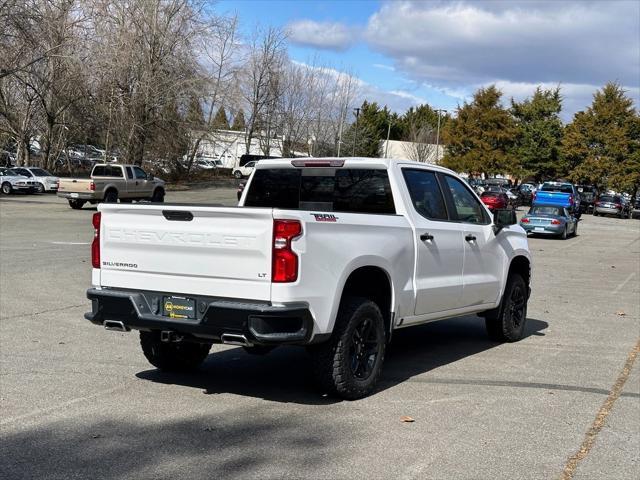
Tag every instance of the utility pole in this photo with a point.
(355, 138)
(438, 134)
(386, 146)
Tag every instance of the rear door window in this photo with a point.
(322, 189)
(425, 193)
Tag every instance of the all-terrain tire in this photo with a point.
(507, 322)
(173, 356)
(350, 362)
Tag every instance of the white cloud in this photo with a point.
(457, 46)
(324, 35)
(384, 67)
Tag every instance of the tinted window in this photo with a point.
(139, 173)
(129, 173)
(325, 190)
(425, 194)
(467, 207)
(608, 198)
(38, 172)
(107, 171)
(22, 171)
(563, 188)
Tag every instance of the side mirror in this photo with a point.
(503, 218)
(150, 176)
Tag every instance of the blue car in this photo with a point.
(550, 220)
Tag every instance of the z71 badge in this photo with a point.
(325, 217)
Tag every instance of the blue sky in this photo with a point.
(440, 52)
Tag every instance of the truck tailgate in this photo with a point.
(552, 198)
(75, 185)
(214, 251)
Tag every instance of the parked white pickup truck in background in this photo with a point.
(111, 182)
(333, 254)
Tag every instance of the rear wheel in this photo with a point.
(111, 197)
(350, 362)
(563, 235)
(595, 214)
(506, 323)
(237, 174)
(172, 356)
(40, 188)
(6, 188)
(76, 204)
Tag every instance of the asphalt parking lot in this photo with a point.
(81, 402)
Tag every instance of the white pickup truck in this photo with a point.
(333, 254)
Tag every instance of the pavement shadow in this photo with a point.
(284, 375)
(236, 442)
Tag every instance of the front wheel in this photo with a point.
(172, 356)
(158, 196)
(506, 323)
(6, 188)
(350, 362)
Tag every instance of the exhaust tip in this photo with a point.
(235, 339)
(116, 326)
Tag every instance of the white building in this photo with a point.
(229, 145)
(423, 152)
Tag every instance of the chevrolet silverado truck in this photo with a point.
(109, 183)
(331, 254)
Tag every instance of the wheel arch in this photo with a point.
(374, 283)
(110, 188)
(522, 266)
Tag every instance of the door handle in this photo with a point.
(426, 237)
(470, 238)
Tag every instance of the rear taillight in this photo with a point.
(95, 245)
(618, 205)
(570, 199)
(524, 220)
(285, 261)
(555, 222)
(92, 186)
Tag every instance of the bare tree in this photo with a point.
(258, 79)
(418, 146)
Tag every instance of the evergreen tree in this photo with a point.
(238, 122)
(480, 139)
(371, 128)
(539, 135)
(602, 144)
(220, 121)
(195, 116)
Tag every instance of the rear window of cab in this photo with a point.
(348, 190)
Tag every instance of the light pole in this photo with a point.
(438, 134)
(355, 138)
(386, 146)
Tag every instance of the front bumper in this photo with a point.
(260, 322)
(608, 211)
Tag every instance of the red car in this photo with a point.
(495, 200)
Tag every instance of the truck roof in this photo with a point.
(360, 162)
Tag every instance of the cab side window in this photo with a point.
(466, 207)
(425, 193)
(129, 173)
(140, 175)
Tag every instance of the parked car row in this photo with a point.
(27, 180)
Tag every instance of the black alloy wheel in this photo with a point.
(364, 349)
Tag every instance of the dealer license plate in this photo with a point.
(179, 307)
(538, 229)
